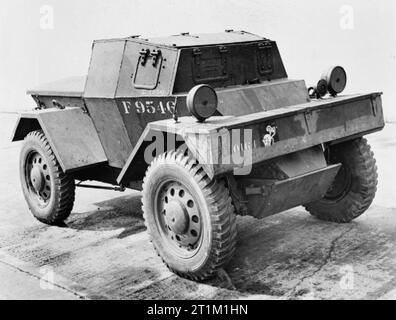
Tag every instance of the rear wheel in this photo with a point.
(48, 191)
(354, 187)
(190, 218)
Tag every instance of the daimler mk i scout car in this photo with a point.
(207, 126)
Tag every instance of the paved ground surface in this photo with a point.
(103, 251)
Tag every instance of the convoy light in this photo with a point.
(202, 102)
(336, 80)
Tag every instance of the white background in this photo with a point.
(310, 34)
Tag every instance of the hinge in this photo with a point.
(57, 104)
(84, 107)
(144, 53)
(156, 55)
(223, 52)
(374, 105)
(223, 49)
(264, 45)
(40, 104)
(197, 52)
(308, 119)
(265, 58)
(197, 60)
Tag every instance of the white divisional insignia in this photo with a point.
(269, 139)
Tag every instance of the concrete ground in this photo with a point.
(103, 252)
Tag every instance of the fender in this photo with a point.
(200, 139)
(70, 132)
(136, 165)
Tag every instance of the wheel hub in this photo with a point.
(37, 178)
(177, 217)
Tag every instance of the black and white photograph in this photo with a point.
(212, 152)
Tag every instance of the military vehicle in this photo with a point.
(207, 126)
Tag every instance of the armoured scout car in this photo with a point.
(208, 126)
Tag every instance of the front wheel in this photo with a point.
(353, 190)
(48, 191)
(190, 218)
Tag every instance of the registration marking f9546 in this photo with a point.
(149, 106)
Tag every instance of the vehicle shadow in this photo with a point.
(278, 256)
(293, 254)
(119, 213)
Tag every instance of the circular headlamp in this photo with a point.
(336, 80)
(202, 102)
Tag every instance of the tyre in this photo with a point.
(354, 187)
(47, 190)
(190, 218)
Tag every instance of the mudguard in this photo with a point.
(156, 135)
(70, 132)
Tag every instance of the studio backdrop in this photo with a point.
(45, 40)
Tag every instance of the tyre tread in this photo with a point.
(64, 184)
(355, 204)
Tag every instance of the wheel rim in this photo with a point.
(38, 178)
(178, 218)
